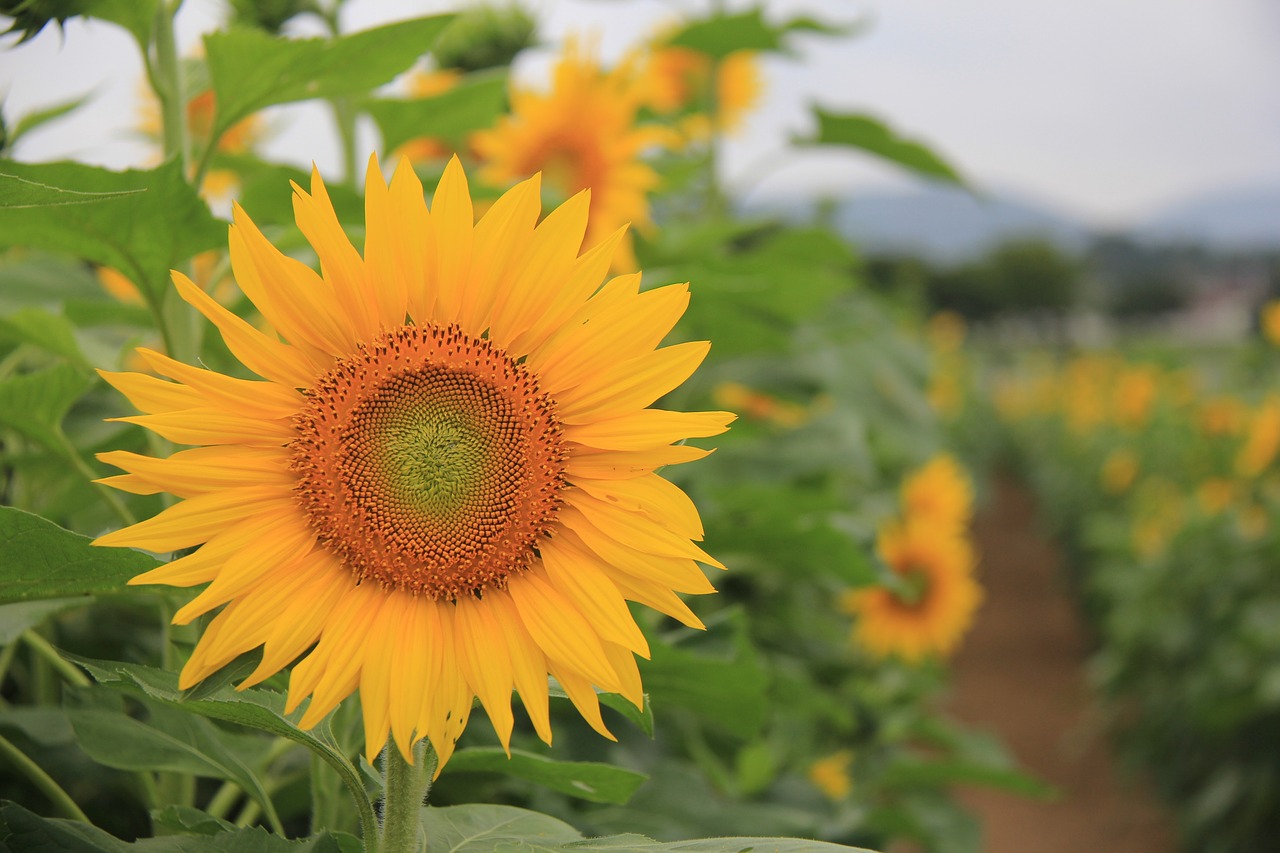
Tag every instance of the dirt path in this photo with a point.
(1020, 674)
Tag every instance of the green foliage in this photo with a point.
(867, 134)
(39, 560)
(485, 36)
(154, 222)
(475, 103)
(722, 34)
(251, 70)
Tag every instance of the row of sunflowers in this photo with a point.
(1156, 469)
(435, 456)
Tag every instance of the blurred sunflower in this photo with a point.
(443, 486)
(931, 604)
(939, 495)
(1269, 320)
(714, 96)
(831, 774)
(582, 134)
(1262, 440)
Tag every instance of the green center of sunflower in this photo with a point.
(429, 461)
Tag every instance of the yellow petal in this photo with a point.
(577, 573)
(341, 265)
(634, 530)
(528, 664)
(395, 229)
(266, 357)
(451, 212)
(634, 384)
(485, 662)
(648, 428)
(559, 629)
(583, 697)
(207, 469)
(502, 238)
(268, 400)
(151, 393)
(651, 495)
(214, 426)
(615, 464)
(199, 519)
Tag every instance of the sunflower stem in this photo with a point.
(42, 781)
(168, 78)
(406, 788)
(61, 665)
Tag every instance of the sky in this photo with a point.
(1106, 110)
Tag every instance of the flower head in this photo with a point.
(582, 134)
(831, 774)
(931, 604)
(939, 494)
(443, 485)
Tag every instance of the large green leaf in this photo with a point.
(720, 35)
(39, 559)
(16, 192)
(251, 70)
(473, 104)
(141, 234)
(34, 404)
(20, 830)
(51, 332)
(483, 828)
(874, 137)
(257, 708)
(171, 740)
(588, 780)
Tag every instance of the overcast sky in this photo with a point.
(1105, 109)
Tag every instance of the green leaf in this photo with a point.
(255, 708)
(251, 70)
(473, 104)
(720, 35)
(171, 740)
(141, 234)
(35, 403)
(51, 332)
(483, 828)
(32, 120)
(19, 193)
(867, 134)
(476, 828)
(185, 820)
(20, 830)
(587, 780)
(39, 559)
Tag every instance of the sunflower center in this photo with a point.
(911, 586)
(430, 461)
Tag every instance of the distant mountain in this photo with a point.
(1237, 219)
(948, 225)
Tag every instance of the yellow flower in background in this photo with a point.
(932, 603)
(1133, 395)
(938, 495)
(428, 84)
(831, 774)
(1118, 471)
(675, 79)
(582, 134)
(1262, 440)
(757, 405)
(1215, 494)
(120, 286)
(945, 331)
(1269, 318)
(1222, 415)
(443, 487)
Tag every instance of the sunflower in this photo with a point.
(831, 774)
(931, 603)
(677, 79)
(581, 135)
(1262, 441)
(443, 486)
(939, 494)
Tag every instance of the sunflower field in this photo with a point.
(304, 475)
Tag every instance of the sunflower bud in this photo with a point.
(269, 15)
(485, 37)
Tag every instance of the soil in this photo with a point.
(1021, 675)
